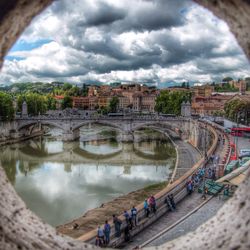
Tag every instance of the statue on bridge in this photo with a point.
(24, 109)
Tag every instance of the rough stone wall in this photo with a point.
(5, 128)
(21, 229)
(237, 15)
(15, 15)
(229, 229)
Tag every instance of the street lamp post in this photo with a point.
(205, 142)
(236, 135)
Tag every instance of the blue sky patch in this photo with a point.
(12, 58)
(22, 45)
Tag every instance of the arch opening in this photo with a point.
(241, 31)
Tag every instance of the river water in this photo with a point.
(59, 181)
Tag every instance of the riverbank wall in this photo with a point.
(9, 135)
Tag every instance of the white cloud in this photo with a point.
(113, 40)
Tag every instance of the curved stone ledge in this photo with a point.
(20, 229)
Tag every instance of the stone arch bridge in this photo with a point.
(188, 129)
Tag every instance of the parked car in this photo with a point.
(244, 153)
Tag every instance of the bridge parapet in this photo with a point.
(187, 128)
(71, 124)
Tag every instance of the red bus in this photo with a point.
(242, 132)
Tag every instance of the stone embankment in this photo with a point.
(8, 135)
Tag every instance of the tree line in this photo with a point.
(238, 111)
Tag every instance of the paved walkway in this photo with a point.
(188, 156)
(183, 208)
(191, 223)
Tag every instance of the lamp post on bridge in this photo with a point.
(205, 142)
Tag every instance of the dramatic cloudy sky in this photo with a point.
(155, 41)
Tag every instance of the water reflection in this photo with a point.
(60, 181)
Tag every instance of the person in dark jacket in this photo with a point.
(117, 222)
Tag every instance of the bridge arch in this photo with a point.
(99, 122)
(152, 125)
(30, 123)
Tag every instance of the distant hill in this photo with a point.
(38, 87)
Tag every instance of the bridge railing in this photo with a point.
(177, 188)
(93, 118)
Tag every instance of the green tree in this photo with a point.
(51, 102)
(74, 91)
(170, 102)
(235, 107)
(6, 107)
(67, 102)
(227, 79)
(103, 110)
(36, 103)
(113, 104)
(67, 86)
(84, 90)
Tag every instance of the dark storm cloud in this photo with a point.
(105, 14)
(154, 16)
(163, 49)
(97, 37)
(105, 47)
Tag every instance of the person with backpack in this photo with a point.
(107, 230)
(100, 237)
(126, 216)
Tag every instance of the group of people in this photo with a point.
(200, 174)
(149, 205)
(131, 221)
(195, 180)
(103, 234)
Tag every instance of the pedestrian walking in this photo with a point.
(107, 230)
(117, 222)
(146, 208)
(172, 201)
(167, 202)
(126, 216)
(205, 191)
(152, 204)
(127, 235)
(134, 215)
(100, 241)
(189, 187)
